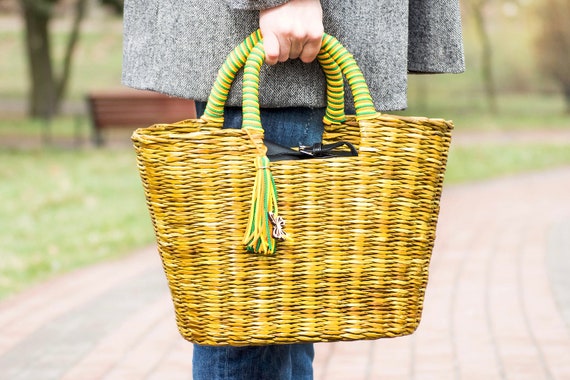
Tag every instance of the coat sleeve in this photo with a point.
(435, 39)
(254, 4)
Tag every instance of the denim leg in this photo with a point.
(290, 127)
(272, 362)
(302, 356)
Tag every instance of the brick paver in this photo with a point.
(494, 308)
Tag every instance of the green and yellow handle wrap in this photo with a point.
(361, 94)
(214, 111)
(335, 89)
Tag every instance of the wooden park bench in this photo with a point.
(127, 108)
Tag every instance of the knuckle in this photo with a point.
(315, 36)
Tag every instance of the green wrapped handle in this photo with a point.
(332, 50)
(236, 60)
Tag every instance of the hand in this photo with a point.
(292, 30)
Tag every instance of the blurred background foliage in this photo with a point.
(68, 204)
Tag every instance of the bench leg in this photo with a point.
(98, 137)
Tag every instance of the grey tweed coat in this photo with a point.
(177, 46)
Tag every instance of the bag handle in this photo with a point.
(214, 111)
(331, 50)
(363, 103)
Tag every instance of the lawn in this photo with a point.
(63, 209)
(484, 162)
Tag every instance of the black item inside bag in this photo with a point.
(276, 152)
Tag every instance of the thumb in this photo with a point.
(271, 47)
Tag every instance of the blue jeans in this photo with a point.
(289, 127)
(286, 126)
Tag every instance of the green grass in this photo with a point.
(65, 126)
(442, 96)
(482, 162)
(63, 209)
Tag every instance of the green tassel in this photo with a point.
(259, 235)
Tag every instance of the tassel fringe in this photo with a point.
(259, 235)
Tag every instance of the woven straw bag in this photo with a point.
(359, 230)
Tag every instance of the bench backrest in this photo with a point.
(137, 109)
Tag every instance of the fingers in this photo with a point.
(280, 48)
(311, 48)
(272, 48)
(292, 30)
(296, 48)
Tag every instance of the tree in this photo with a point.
(478, 9)
(553, 44)
(115, 5)
(48, 84)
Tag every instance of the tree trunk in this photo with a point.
(43, 91)
(566, 91)
(70, 49)
(487, 57)
(47, 88)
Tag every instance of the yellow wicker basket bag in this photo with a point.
(314, 250)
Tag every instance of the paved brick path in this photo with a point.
(495, 306)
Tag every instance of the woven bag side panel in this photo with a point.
(361, 233)
(348, 131)
(412, 154)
